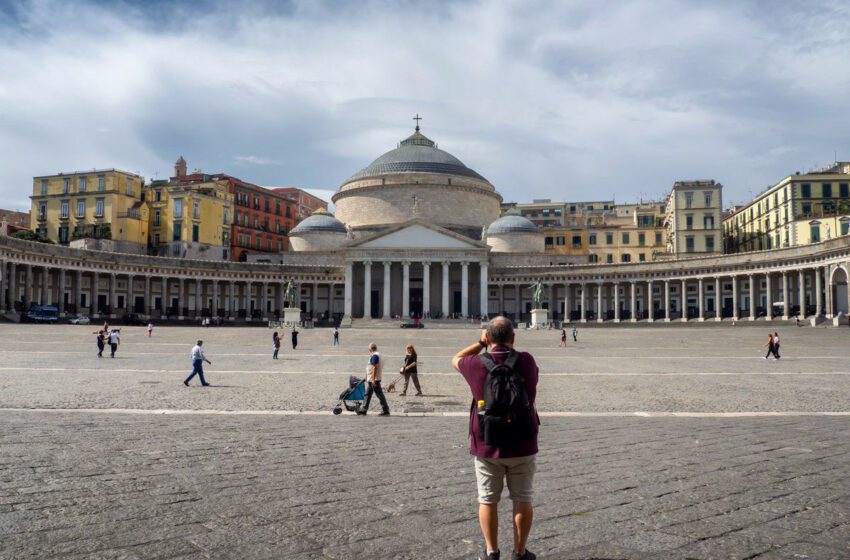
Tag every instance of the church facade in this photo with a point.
(417, 233)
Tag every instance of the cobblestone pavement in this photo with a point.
(203, 482)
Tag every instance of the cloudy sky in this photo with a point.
(562, 100)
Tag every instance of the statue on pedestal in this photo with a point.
(537, 297)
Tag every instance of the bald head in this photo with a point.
(500, 331)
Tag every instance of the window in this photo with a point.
(642, 257)
(645, 221)
(129, 186)
(609, 259)
(178, 209)
(277, 208)
(560, 240)
(576, 241)
(66, 185)
(42, 211)
(44, 186)
(256, 222)
(826, 190)
(708, 222)
(157, 196)
(226, 218)
(689, 244)
(549, 241)
(626, 258)
(707, 199)
(689, 222)
(266, 204)
(288, 214)
(845, 227)
(815, 232)
(156, 239)
(658, 238)
(82, 185)
(609, 238)
(196, 232)
(593, 258)
(807, 208)
(63, 210)
(806, 190)
(573, 210)
(81, 208)
(277, 227)
(101, 183)
(157, 217)
(196, 209)
(689, 199)
(98, 208)
(591, 239)
(269, 243)
(178, 231)
(641, 239)
(63, 234)
(843, 190)
(709, 243)
(625, 239)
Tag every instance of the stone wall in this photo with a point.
(317, 241)
(516, 242)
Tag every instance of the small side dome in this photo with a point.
(320, 221)
(512, 223)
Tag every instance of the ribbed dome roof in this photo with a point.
(320, 221)
(512, 224)
(415, 154)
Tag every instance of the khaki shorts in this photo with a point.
(490, 474)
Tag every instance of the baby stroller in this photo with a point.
(352, 397)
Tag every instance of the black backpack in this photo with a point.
(508, 419)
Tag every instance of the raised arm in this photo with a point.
(471, 350)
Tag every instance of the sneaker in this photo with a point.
(205, 384)
(361, 413)
(402, 394)
(186, 383)
(527, 555)
(384, 413)
(491, 556)
(419, 394)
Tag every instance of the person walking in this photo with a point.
(502, 454)
(294, 338)
(373, 385)
(336, 336)
(150, 329)
(563, 338)
(575, 334)
(198, 359)
(114, 341)
(769, 345)
(776, 345)
(408, 370)
(276, 344)
(101, 342)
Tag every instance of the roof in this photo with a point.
(320, 221)
(512, 224)
(416, 154)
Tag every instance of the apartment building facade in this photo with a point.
(693, 218)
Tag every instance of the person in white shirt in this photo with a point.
(114, 341)
(198, 360)
(150, 329)
(373, 377)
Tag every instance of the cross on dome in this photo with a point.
(417, 118)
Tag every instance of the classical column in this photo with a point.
(667, 301)
(566, 303)
(684, 300)
(426, 289)
(3, 286)
(387, 270)
(769, 315)
(827, 286)
(617, 301)
(13, 286)
(405, 291)
(633, 301)
(28, 288)
(367, 290)
(232, 303)
(95, 286)
(60, 292)
(718, 300)
(215, 302)
(314, 298)
(180, 293)
(148, 299)
(583, 288)
(650, 312)
(599, 318)
(197, 298)
(752, 297)
(130, 305)
(113, 294)
(785, 299)
(484, 310)
(445, 292)
(45, 295)
(801, 280)
(818, 292)
(701, 300)
(264, 300)
(464, 289)
(734, 298)
(518, 298)
(349, 273)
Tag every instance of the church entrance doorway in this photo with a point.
(376, 301)
(416, 302)
(457, 303)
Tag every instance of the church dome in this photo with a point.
(416, 154)
(319, 221)
(512, 224)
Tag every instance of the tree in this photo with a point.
(27, 235)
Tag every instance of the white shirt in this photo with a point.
(114, 338)
(150, 326)
(378, 367)
(197, 353)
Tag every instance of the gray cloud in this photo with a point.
(561, 100)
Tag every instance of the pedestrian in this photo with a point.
(276, 344)
(150, 329)
(336, 336)
(563, 338)
(294, 338)
(769, 345)
(373, 385)
(101, 342)
(409, 370)
(575, 334)
(114, 341)
(198, 359)
(503, 383)
(776, 345)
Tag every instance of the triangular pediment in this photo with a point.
(417, 235)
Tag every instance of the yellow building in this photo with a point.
(693, 218)
(103, 207)
(190, 219)
(628, 233)
(798, 210)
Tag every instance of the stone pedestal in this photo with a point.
(292, 315)
(539, 318)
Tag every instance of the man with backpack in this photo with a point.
(503, 428)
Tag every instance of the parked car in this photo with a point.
(42, 314)
(412, 326)
(132, 319)
(80, 320)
